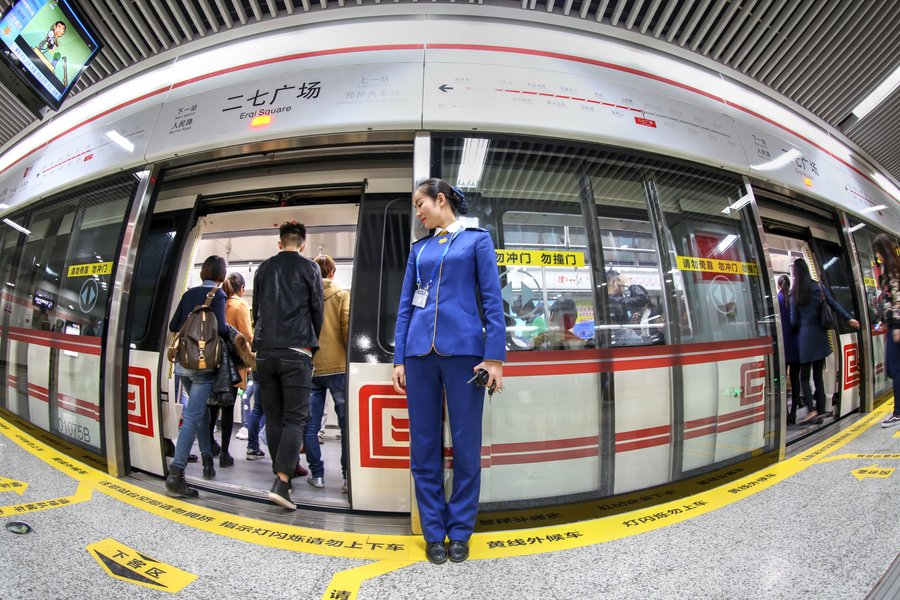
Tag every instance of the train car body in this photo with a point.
(581, 155)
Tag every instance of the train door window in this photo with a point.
(873, 272)
(635, 312)
(720, 295)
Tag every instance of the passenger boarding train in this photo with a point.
(607, 175)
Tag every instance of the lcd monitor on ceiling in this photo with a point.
(47, 43)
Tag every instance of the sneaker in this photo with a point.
(321, 437)
(344, 486)
(300, 470)
(280, 494)
(316, 482)
(891, 421)
(255, 454)
(242, 434)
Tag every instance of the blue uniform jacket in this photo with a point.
(812, 340)
(450, 323)
(791, 346)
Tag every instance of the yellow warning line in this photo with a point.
(345, 584)
(860, 456)
(402, 549)
(82, 494)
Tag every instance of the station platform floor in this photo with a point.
(821, 524)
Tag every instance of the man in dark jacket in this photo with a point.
(287, 310)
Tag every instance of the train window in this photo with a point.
(716, 273)
(7, 300)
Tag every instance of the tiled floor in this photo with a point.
(821, 533)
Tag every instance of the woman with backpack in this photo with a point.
(807, 298)
(197, 383)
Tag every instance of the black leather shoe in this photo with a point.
(459, 551)
(225, 460)
(436, 552)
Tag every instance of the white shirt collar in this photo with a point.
(451, 228)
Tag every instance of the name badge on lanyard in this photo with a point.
(420, 297)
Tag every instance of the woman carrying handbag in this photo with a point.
(807, 300)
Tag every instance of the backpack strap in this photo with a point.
(210, 296)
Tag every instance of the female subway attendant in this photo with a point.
(440, 341)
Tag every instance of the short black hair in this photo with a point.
(292, 233)
(214, 269)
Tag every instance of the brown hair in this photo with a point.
(214, 268)
(326, 264)
(886, 246)
(233, 284)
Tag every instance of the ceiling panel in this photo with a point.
(825, 55)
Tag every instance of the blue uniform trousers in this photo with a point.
(426, 379)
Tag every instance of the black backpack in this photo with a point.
(196, 345)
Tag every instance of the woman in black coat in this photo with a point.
(807, 297)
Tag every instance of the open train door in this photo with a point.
(151, 291)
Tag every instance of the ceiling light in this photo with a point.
(472, 163)
(878, 94)
(17, 227)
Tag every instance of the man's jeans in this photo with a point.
(337, 385)
(283, 376)
(195, 416)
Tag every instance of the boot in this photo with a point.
(225, 460)
(209, 470)
(176, 485)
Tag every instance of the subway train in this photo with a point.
(651, 201)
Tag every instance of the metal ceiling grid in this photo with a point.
(825, 55)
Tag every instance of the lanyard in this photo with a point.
(439, 263)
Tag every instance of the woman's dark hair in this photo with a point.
(214, 268)
(886, 246)
(802, 283)
(782, 279)
(326, 264)
(233, 283)
(434, 186)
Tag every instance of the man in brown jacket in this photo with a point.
(330, 373)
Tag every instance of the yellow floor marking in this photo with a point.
(872, 471)
(11, 485)
(896, 434)
(345, 584)
(127, 564)
(404, 548)
(858, 456)
(82, 494)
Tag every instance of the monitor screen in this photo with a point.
(47, 43)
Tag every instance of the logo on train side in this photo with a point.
(140, 410)
(851, 366)
(753, 382)
(384, 428)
